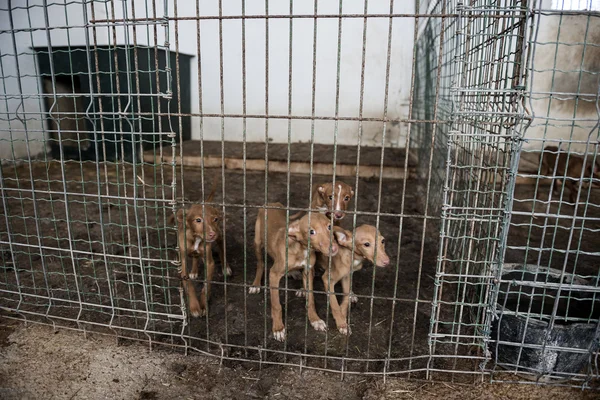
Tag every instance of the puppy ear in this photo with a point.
(180, 215)
(294, 231)
(342, 236)
(321, 189)
(352, 193)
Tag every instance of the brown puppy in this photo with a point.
(298, 255)
(197, 233)
(366, 239)
(329, 200)
(554, 165)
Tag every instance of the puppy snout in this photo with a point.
(334, 249)
(339, 214)
(385, 261)
(211, 235)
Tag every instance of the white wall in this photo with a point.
(278, 68)
(302, 63)
(554, 119)
(566, 61)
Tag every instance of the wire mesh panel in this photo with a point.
(84, 235)
(549, 287)
(324, 184)
(479, 64)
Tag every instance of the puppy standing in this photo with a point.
(196, 236)
(298, 254)
(329, 200)
(554, 164)
(366, 239)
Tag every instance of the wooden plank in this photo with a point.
(370, 158)
(300, 152)
(365, 171)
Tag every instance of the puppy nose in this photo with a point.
(339, 214)
(334, 248)
(211, 235)
(386, 261)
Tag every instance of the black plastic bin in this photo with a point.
(556, 360)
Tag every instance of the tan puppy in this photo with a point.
(329, 200)
(366, 239)
(554, 165)
(196, 236)
(298, 254)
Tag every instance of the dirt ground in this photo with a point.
(138, 233)
(547, 233)
(37, 362)
(113, 271)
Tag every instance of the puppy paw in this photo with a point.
(193, 275)
(353, 298)
(279, 335)
(319, 325)
(300, 293)
(254, 289)
(345, 330)
(227, 271)
(197, 311)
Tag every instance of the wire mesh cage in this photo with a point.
(400, 149)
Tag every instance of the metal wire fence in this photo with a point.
(99, 102)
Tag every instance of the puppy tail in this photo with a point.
(296, 216)
(212, 192)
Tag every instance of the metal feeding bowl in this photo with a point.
(522, 338)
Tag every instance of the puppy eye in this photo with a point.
(312, 232)
(199, 220)
(330, 197)
(216, 219)
(347, 198)
(328, 227)
(382, 241)
(367, 244)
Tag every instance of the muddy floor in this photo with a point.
(108, 266)
(37, 362)
(556, 233)
(112, 237)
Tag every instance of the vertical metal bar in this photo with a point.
(75, 116)
(417, 5)
(144, 207)
(102, 139)
(358, 146)
(62, 166)
(92, 120)
(45, 156)
(224, 238)
(129, 109)
(289, 154)
(172, 135)
(312, 135)
(201, 110)
(266, 280)
(427, 190)
(244, 186)
(333, 180)
(383, 136)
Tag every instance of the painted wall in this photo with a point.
(74, 15)
(565, 79)
(563, 65)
